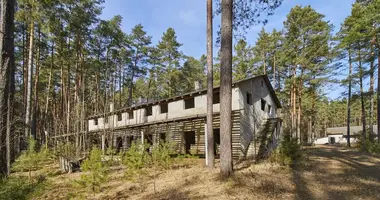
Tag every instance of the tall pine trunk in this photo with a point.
(36, 80)
(349, 99)
(6, 82)
(226, 167)
(293, 102)
(299, 114)
(371, 94)
(378, 97)
(210, 133)
(28, 113)
(362, 102)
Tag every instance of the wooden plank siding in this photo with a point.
(174, 132)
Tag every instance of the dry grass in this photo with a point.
(331, 173)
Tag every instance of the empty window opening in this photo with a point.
(106, 119)
(148, 111)
(149, 141)
(119, 144)
(216, 141)
(189, 103)
(263, 103)
(216, 98)
(249, 98)
(129, 141)
(162, 138)
(130, 114)
(269, 109)
(119, 117)
(95, 122)
(189, 140)
(164, 108)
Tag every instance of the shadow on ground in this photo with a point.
(335, 173)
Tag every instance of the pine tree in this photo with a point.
(169, 72)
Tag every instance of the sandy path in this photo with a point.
(335, 173)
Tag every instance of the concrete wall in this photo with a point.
(252, 116)
(339, 139)
(176, 109)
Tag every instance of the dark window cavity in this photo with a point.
(189, 103)
(106, 119)
(148, 111)
(249, 98)
(164, 108)
(119, 117)
(162, 137)
(130, 114)
(216, 98)
(269, 107)
(263, 103)
(95, 122)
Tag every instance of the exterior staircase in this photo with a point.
(267, 138)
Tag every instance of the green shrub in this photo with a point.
(95, 172)
(135, 159)
(288, 153)
(160, 156)
(29, 160)
(373, 147)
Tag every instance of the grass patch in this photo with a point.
(19, 187)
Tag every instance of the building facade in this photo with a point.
(182, 120)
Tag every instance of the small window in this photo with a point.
(106, 119)
(249, 98)
(189, 103)
(95, 122)
(216, 98)
(130, 114)
(269, 107)
(164, 108)
(148, 111)
(263, 102)
(119, 117)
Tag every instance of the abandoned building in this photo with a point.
(182, 120)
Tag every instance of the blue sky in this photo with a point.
(188, 18)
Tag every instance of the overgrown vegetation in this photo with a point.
(135, 159)
(371, 146)
(31, 159)
(95, 173)
(288, 153)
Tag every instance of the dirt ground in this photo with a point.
(330, 172)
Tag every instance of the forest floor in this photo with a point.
(329, 172)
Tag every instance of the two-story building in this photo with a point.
(182, 120)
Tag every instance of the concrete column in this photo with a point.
(142, 136)
(103, 143)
